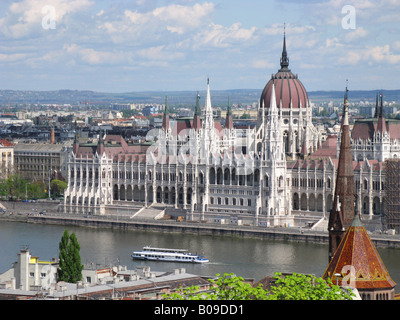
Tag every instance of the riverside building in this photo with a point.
(280, 172)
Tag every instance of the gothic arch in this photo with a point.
(166, 195)
(159, 194)
(220, 176)
(365, 205)
(129, 193)
(329, 202)
(150, 195)
(116, 192)
(376, 206)
(227, 176)
(122, 192)
(296, 201)
(136, 193)
(212, 175)
(303, 202)
(320, 205)
(311, 202)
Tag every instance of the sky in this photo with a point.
(155, 45)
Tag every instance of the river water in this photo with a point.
(249, 258)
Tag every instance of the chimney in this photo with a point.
(52, 136)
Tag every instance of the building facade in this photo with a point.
(39, 161)
(6, 158)
(273, 173)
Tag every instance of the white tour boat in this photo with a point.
(163, 254)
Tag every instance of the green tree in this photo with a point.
(225, 287)
(70, 267)
(306, 287)
(37, 190)
(290, 287)
(57, 187)
(14, 187)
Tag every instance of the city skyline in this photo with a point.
(127, 46)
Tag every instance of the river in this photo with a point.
(249, 258)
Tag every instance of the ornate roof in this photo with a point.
(288, 88)
(357, 250)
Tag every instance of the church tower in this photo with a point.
(357, 264)
(342, 213)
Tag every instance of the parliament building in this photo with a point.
(280, 172)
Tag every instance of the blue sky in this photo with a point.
(144, 45)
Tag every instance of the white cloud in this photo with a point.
(24, 18)
(12, 57)
(376, 54)
(334, 42)
(160, 53)
(357, 34)
(158, 23)
(223, 37)
(180, 18)
(263, 64)
(277, 29)
(95, 57)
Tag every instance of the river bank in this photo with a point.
(200, 229)
(46, 213)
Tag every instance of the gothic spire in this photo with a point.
(284, 58)
(208, 97)
(381, 118)
(376, 106)
(100, 145)
(342, 213)
(209, 118)
(197, 114)
(197, 110)
(165, 124)
(229, 121)
(166, 109)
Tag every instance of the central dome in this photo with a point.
(288, 88)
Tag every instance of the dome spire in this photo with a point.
(284, 58)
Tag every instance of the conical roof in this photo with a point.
(358, 251)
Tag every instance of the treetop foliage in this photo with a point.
(289, 287)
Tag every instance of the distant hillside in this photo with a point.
(175, 98)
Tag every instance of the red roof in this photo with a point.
(365, 129)
(6, 143)
(357, 250)
(327, 149)
(288, 89)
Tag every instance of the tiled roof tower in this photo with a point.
(359, 265)
(342, 213)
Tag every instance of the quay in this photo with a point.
(206, 229)
(30, 213)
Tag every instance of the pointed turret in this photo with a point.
(376, 106)
(208, 97)
(197, 114)
(229, 120)
(75, 148)
(284, 58)
(165, 124)
(272, 105)
(209, 117)
(381, 118)
(100, 145)
(342, 213)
